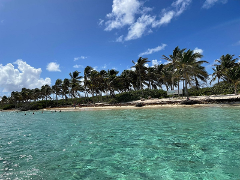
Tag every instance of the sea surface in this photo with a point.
(164, 143)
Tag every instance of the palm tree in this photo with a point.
(126, 79)
(233, 74)
(177, 53)
(140, 70)
(46, 91)
(36, 94)
(15, 96)
(87, 72)
(190, 67)
(217, 74)
(65, 88)
(57, 88)
(75, 82)
(226, 61)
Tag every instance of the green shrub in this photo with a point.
(136, 95)
(8, 106)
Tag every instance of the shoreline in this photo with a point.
(199, 101)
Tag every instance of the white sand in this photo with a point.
(153, 101)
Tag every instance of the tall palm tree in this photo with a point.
(173, 58)
(217, 74)
(57, 88)
(226, 61)
(36, 94)
(46, 91)
(190, 67)
(65, 88)
(233, 74)
(75, 82)
(87, 72)
(140, 70)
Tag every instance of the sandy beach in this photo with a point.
(157, 103)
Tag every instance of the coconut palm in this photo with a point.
(173, 58)
(233, 74)
(190, 67)
(217, 73)
(75, 82)
(65, 88)
(226, 61)
(36, 94)
(46, 91)
(87, 72)
(57, 88)
(140, 70)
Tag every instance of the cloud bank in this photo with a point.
(24, 75)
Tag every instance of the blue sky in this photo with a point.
(41, 41)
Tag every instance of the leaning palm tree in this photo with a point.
(190, 66)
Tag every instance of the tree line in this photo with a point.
(183, 66)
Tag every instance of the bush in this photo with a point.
(136, 95)
(8, 106)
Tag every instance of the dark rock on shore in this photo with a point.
(190, 102)
(139, 104)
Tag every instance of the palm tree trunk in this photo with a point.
(235, 88)
(186, 87)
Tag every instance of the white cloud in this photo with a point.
(52, 66)
(81, 57)
(153, 50)
(78, 66)
(101, 21)
(133, 14)
(123, 13)
(119, 39)
(209, 3)
(197, 50)
(181, 6)
(133, 68)
(137, 29)
(155, 62)
(25, 76)
(165, 19)
(146, 65)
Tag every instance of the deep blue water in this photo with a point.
(164, 143)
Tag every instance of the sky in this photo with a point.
(42, 41)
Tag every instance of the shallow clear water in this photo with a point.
(166, 143)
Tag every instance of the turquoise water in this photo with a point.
(166, 143)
